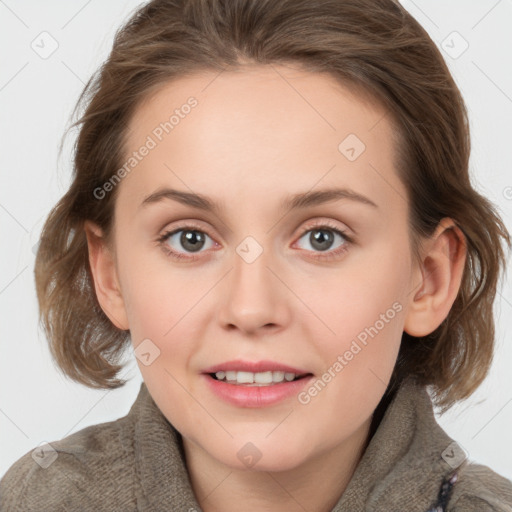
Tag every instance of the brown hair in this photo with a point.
(373, 45)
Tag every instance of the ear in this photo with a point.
(106, 282)
(441, 270)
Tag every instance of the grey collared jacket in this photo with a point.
(136, 463)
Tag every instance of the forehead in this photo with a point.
(264, 129)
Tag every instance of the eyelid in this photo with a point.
(326, 223)
(312, 224)
(183, 226)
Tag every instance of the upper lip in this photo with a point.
(254, 367)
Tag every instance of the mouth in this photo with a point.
(255, 373)
(255, 384)
(266, 378)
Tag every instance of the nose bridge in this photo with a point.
(252, 295)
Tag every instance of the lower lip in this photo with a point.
(256, 396)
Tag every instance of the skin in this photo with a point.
(255, 137)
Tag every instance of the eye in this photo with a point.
(322, 238)
(182, 243)
(186, 239)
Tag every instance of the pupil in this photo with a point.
(321, 239)
(192, 240)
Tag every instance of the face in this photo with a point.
(263, 282)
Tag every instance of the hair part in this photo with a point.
(374, 47)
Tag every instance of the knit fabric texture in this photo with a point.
(137, 463)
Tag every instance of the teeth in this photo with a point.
(230, 375)
(263, 378)
(245, 377)
(260, 378)
(277, 376)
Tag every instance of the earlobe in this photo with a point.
(104, 273)
(441, 269)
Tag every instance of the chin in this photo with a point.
(261, 456)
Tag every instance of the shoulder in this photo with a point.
(481, 489)
(86, 470)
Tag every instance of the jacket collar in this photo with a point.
(402, 464)
(159, 459)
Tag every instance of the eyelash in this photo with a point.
(328, 255)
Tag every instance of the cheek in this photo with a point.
(158, 296)
(364, 313)
(163, 307)
(361, 309)
(166, 306)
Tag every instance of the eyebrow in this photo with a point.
(293, 202)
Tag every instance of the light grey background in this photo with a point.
(37, 404)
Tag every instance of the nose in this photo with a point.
(253, 298)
